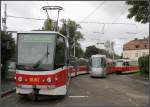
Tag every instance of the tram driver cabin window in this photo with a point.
(59, 52)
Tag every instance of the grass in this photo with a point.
(141, 75)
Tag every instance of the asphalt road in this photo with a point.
(115, 90)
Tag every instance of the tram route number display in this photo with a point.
(36, 38)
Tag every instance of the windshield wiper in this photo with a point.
(38, 63)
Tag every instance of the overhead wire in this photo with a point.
(92, 12)
(143, 29)
(104, 22)
(24, 17)
(124, 10)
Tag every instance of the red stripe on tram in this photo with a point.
(58, 79)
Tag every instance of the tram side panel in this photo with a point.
(83, 66)
(125, 66)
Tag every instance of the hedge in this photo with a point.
(144, 64)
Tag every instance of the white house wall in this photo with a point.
(132, 54)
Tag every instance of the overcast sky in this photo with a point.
(79, 11)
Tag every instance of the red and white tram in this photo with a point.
(78, 66)
(42, 63)
(125, 65)
(83, 66)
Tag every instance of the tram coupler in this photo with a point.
(35, 94)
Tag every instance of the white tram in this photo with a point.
(98, 66)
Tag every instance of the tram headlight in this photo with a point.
(48, 79)
(20, 79)
(56, 78)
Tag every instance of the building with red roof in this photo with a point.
(136, 48)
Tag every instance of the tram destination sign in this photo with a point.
(36, 38)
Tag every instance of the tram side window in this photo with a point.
(126, 64)
(114, 64)
(103, 62)
(60, 52)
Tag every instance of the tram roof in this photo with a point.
(123, 60)
(53, 32)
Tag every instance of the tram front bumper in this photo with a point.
(98, 74)
(43, 90)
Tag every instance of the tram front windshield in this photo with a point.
(98, 62)
(35, 51)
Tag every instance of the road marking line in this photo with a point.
(77, 96)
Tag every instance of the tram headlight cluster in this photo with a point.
(49, 79)
(20, 79)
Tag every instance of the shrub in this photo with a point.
(144, 64)
(7, 50)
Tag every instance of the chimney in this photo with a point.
(135, 39)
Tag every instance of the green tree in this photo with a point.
(139, 10)
(91, 50)
(48, 25)
(63, 29)
(8, 49)
(72, 28)
(79, 51)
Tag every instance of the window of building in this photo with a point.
(145, 46)
(143, 53)
(136, 46)
(136, 54)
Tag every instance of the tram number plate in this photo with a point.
(34, 79)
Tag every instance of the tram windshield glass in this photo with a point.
(35, 51)
(98, 62)
(119, 63)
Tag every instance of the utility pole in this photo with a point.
(4, 20)
(57, 20)
(112, 48)
(74, 47)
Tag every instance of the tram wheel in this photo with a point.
(119, 72)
